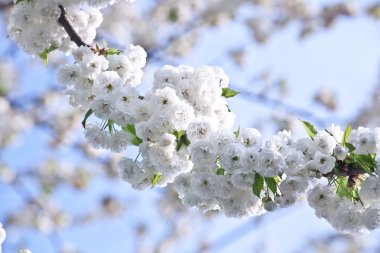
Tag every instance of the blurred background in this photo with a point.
(318, 60)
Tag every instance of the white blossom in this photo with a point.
(336, 132)
(250, 159)
(92, 65)
(294, 184)
(322, 162)
(370, 190)
(323, 200)
(365, 140)
(230, 158)
(340, 152)
(95, 136)
(325, 142)
(250, 137)
(295, 161)
(119, 141)
(242, 179)
(348, 217)
(371, 218)
(203, 154)
(271, 163)
(183, 129)
(200, 128)
(107, 85)
(68, 74)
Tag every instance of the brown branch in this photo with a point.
(74, 37)
(5, 6)
(346, 170)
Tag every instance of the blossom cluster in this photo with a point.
(276, 173)
(184, 106)
(33, 24)
(8, 111)
(352, 202)
(183, 130)
(182, 100)
(11, 132)
(182, 127)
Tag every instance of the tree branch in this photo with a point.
(154, 51)
(5, 6)
(74, 37)
(265, 100)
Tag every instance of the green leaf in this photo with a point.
(229, 93)
(136, 141)
(366, 162)
(110, 125)
(178, 146)
(310, 129)
(341, 187)
(155, 179)
(112, 51)
(355, 193)
(271, 183)
(220, 171)
(237, 132)
(173, 14)
(19, 1)
(45, 53)
(105, 45)
(3, 90)
(185, 140)
(181, 139)
(350, 147)
(257, 185)
(130, 128)
(346, 135)
(177, 134)
(343, 190)
(88, 114)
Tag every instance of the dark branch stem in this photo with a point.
(4, 6)
(74, 37)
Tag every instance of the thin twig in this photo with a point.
(237, 233)
(192, 25)
(136, 157)
(74, 37)
(265, 100)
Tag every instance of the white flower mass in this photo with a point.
(34, 27)
(183, 129)
(2, 236)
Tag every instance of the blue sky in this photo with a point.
(344, 58)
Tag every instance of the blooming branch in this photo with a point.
(62, 20)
